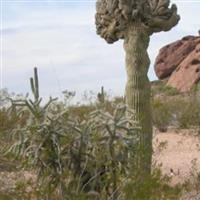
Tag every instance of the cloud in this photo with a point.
(189, 12)
(62, 42)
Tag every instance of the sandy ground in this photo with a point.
(178, 153)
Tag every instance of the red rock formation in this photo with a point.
(180, 62)
(187, 73)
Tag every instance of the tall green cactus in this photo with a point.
(34, 106)
(34, 82)
(134, 21)
(101, 96)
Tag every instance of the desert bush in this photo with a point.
(161, 114)
(180, 111)
(156, 187)
(4, 97)
(170, 91)
(74, 157)
(9, 118)
(79, 158)
(81, 111)
(187, 112)
(160, 88)
(191, 186)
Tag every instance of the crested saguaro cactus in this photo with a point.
(135, 21)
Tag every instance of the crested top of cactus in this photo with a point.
(113, 17)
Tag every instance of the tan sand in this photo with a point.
(179, 153)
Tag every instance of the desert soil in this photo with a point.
(178, 152)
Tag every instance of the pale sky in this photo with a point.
(59, 37)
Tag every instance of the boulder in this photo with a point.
(187, 73)
(180, 63)
(172, 55)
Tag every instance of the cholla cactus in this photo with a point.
(134, 21)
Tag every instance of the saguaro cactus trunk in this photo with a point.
(138, 89)
(134, 21)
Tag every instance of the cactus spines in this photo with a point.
(134, 21)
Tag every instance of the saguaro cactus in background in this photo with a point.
(134, 21)
(35, 85)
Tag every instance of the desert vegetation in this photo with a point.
(102, 149)
(86, 151)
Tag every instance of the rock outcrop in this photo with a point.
(180, 62)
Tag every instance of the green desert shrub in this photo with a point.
(170, 91)
(161, 115)
(77, 158)
(156, 187)
(187, 112)
(9, 120)
(73, 157)
(95, 157)
(160, 88)
(180, 112)
(191, 187)
(80, 111)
